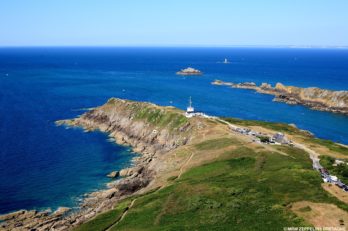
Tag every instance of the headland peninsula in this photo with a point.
(201, 172)
(312, 97)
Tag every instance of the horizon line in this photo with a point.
(179, 46)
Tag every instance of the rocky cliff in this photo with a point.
(149, 129)
(312, 97)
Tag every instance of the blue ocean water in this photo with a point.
(47, 166)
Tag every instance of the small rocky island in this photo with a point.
(312, 97)
(189, 71)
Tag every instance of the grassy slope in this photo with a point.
(169, 117)
(161, 118)
(282, 127)
(244, 191)
(105, 220)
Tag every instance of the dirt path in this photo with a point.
(123, 215)
(133, 201)
(266, 146)
(312, 154)
(185, 164)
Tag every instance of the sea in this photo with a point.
(44, 166)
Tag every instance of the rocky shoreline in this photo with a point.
(312, 97)
(129, 123)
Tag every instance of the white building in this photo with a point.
(279, 138)
(190, 111)
(334, 178)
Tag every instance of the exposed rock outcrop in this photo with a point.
(312, 97)
(113, 174)
(149, 129)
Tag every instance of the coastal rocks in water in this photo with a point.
(113, 174)
(106, 194)
(246, 85)
(266, 86)
(189, 71)
(125, 172)
(25, 220)
(131, 171)
(61, 211)
(312, 97)
(12, 215)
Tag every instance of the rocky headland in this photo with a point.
(149, 129)
(312, 97)
(171, 145)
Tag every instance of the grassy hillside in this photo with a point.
(291, 130)
(280, 127)
(246, 190)
(161, 117)
(222, 179)
(158, 116)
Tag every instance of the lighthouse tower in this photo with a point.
(190, 111)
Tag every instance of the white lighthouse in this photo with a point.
(190, 111)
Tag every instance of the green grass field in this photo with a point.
(105, 220)
(245, 191)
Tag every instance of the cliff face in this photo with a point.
(337, 99)
(312, 97)
(149, 129)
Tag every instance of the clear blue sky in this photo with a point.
(173, 22)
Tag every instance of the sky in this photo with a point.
(173, 23)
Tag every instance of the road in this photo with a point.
(312, 154)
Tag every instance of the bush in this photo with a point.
(264, 139)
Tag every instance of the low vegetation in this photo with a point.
(247, 190)
(161, 117)
(292, 130)
(105, 220)
(332, 146)
(242, 188)
(280, 127)
(155, 115)
(216, 143)
(340, 170)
